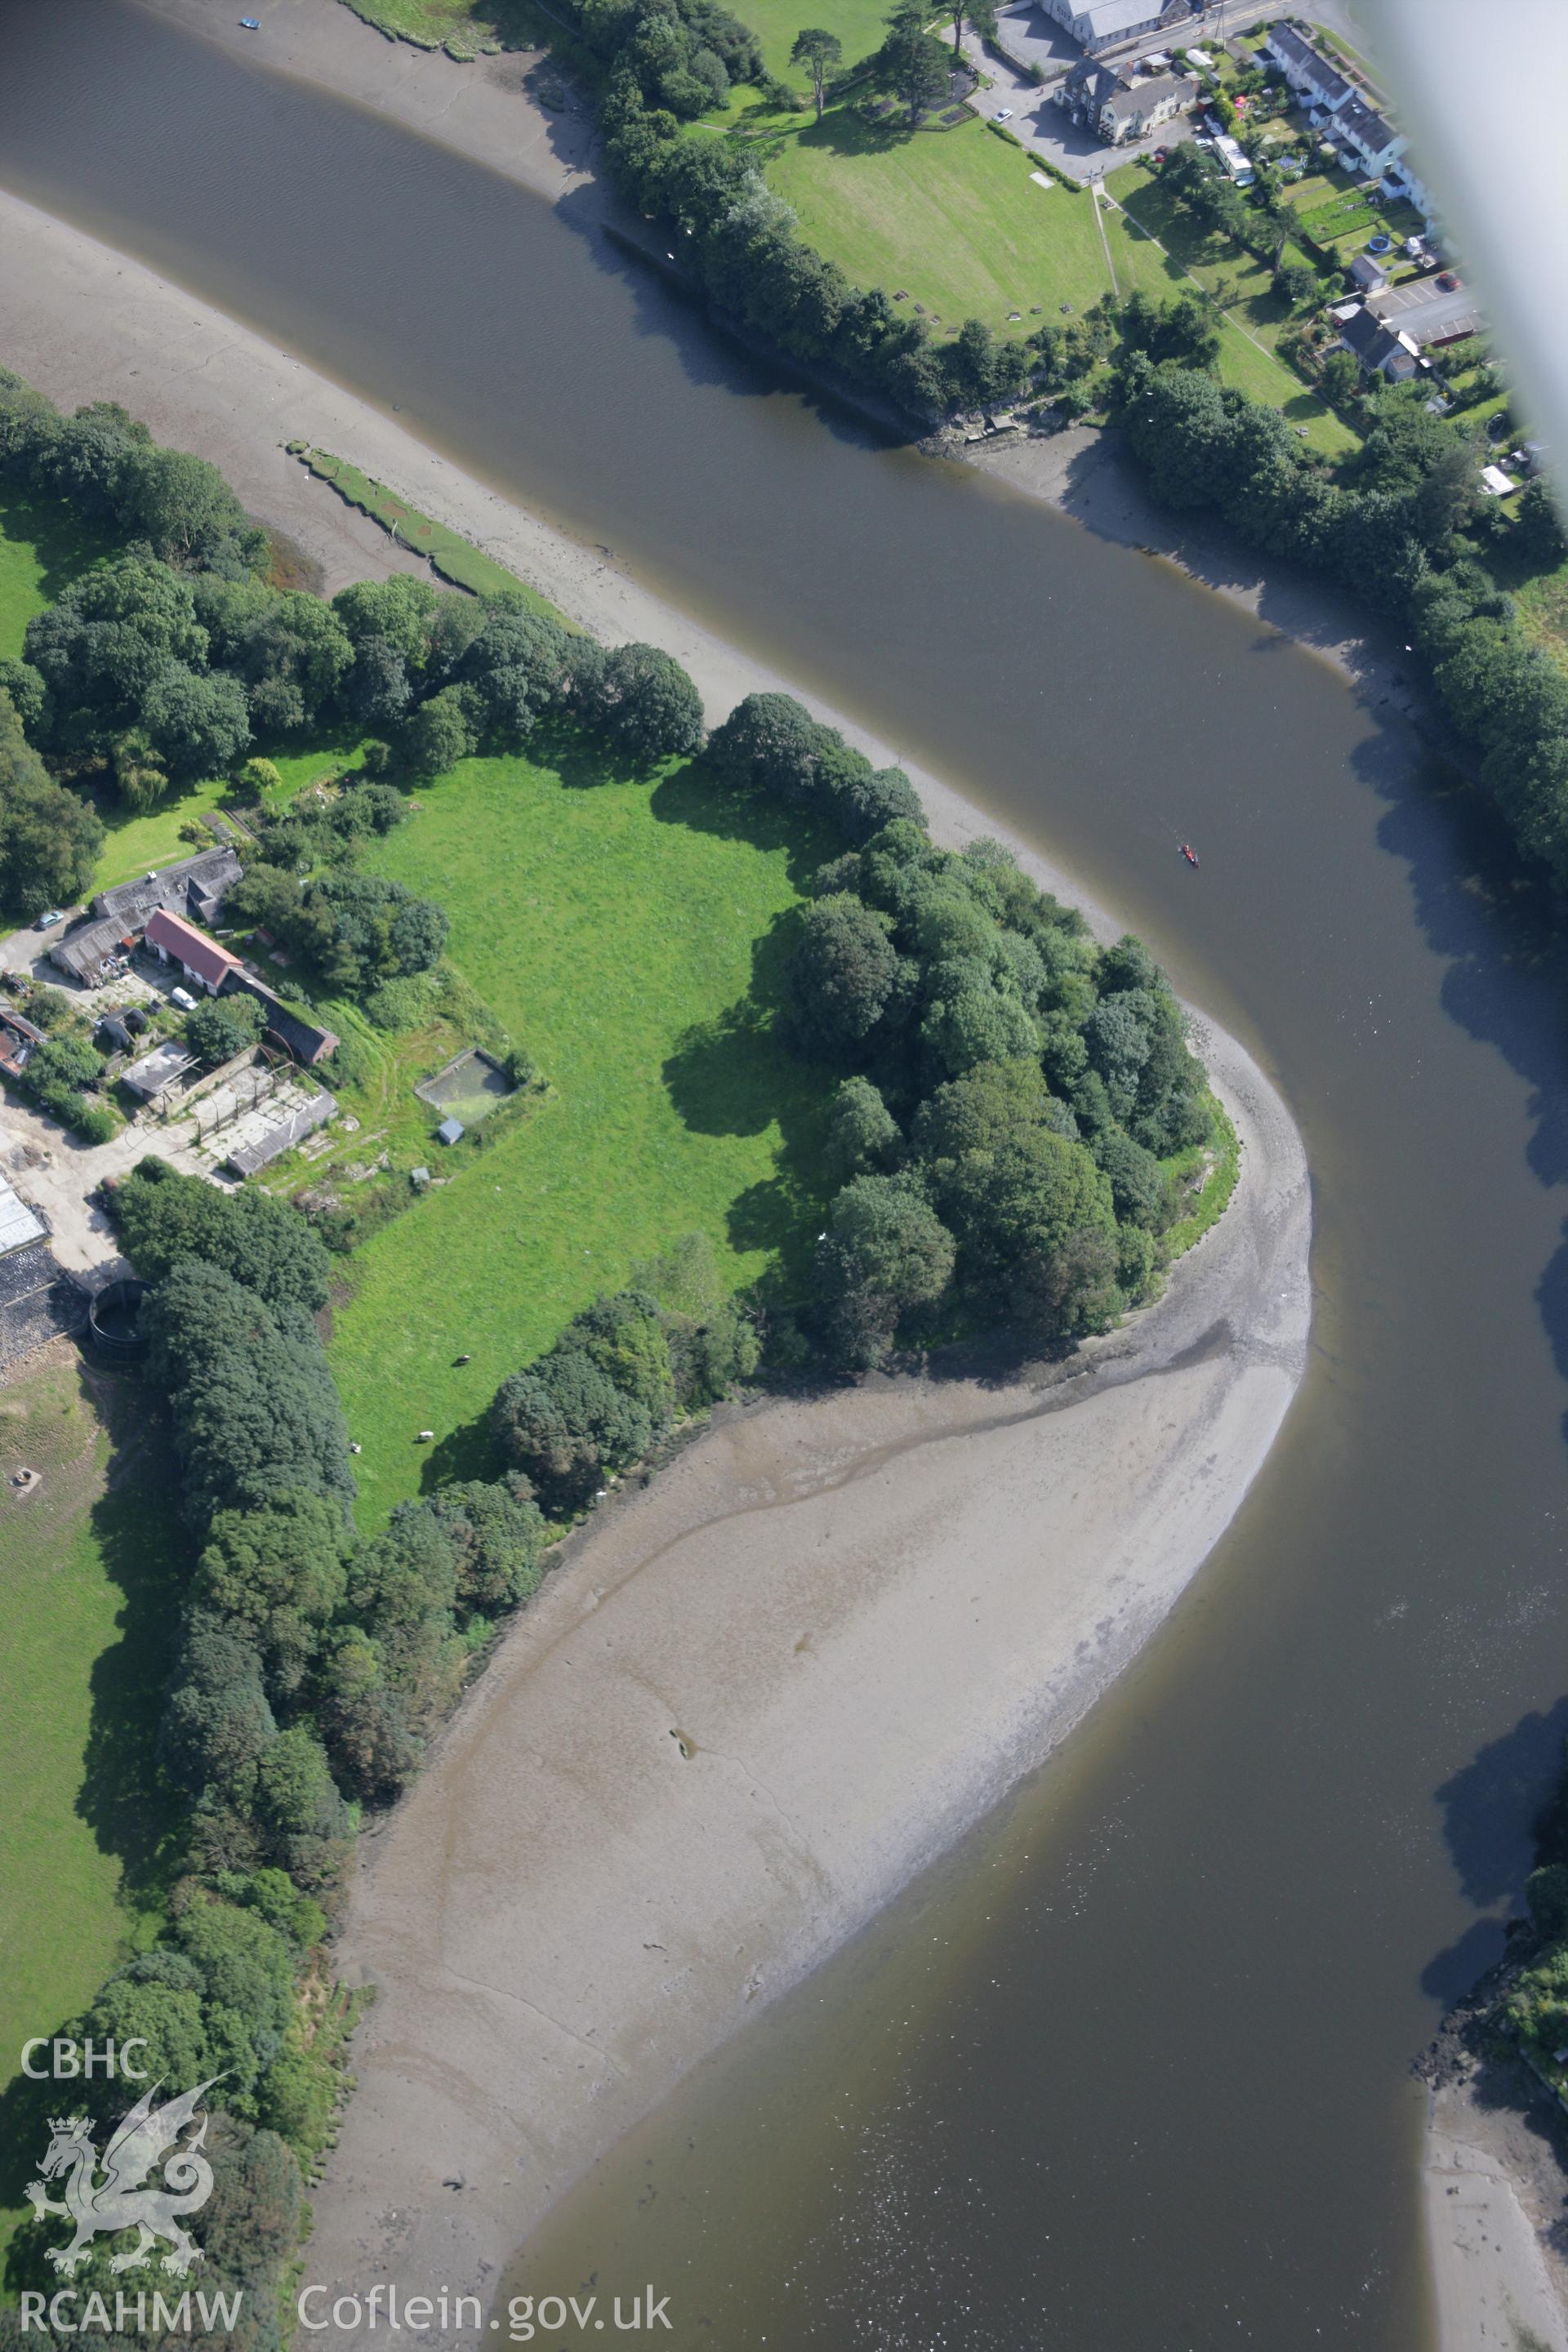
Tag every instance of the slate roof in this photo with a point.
(1369, 339)
(1306, 59)
(192, 886)
(1365, 127)
(304, 1040)
(1144, 96)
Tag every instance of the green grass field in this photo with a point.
(614, 927)
(42, 548)
(135, 843)
(90, 1593)
(952, 216)
(1255, 315)
(861, 26)
(955, 220)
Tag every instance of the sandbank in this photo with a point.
(1493, 2187)
(758, 1696)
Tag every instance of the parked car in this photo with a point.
(1161, 154)
(184, 998)
(1448, 280)
(55, 915)
(1002, 114)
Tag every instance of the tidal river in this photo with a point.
(1133, 2074)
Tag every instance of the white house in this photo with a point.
(1400, 179)
(1314, 81)
(1367, 137)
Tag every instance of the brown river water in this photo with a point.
(1131, 2072)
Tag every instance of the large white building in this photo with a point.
(1098, 25)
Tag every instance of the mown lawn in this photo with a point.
(954, 219)
(137, 843)
(951, 216)
(615, 926)
(90, 1592)
(861, 26)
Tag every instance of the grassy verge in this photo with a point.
(455, 558)
(89, 1605)
(465, 27)
(1223, 1157)
(615, 925)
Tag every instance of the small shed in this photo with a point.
(1496, 483)
(451, 1130)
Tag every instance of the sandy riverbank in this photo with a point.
(762, 1695)
(1494, 2187)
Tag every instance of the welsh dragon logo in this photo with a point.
(118, 2200)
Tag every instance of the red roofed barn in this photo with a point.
(201, 959)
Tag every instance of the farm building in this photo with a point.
(18, 1038)
(303, 1039)
(193, 887)
(89, 953)
(201, 959)
(158, 1073)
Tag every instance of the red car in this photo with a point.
(1161, 154)
(1449, 281)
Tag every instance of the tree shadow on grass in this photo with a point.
(735, 1075)
(468, 1452)
(64, 547)
(132, 1812)
(695, 796)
